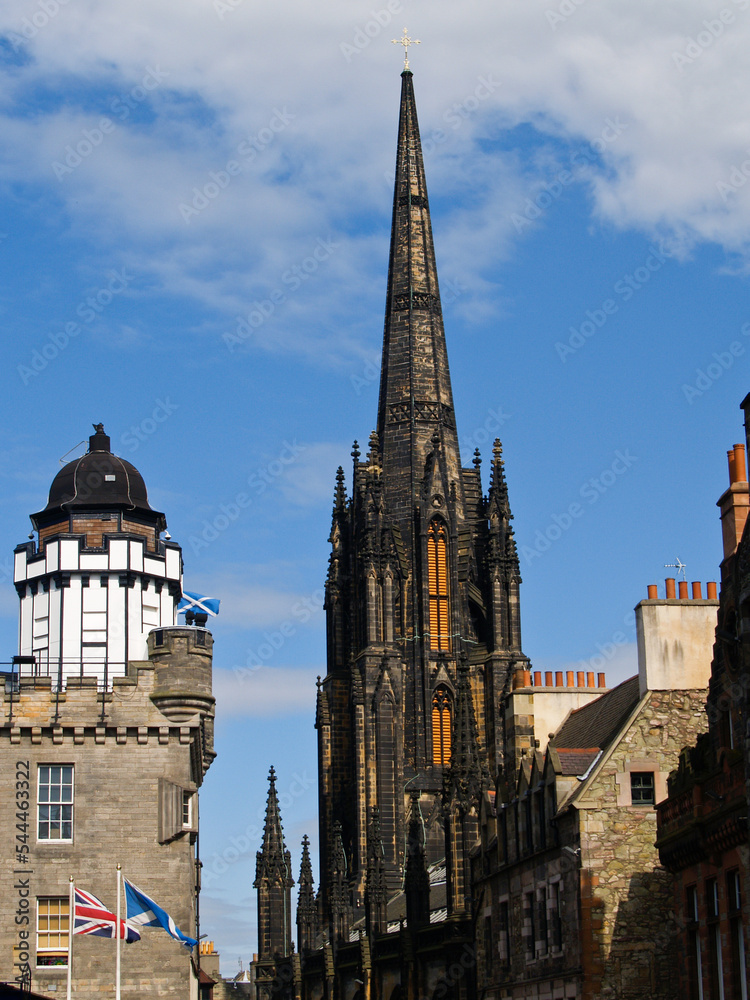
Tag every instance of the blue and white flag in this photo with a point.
(143, 912)
(199, 604)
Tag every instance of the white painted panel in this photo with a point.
(55, 623)
(96, 620)
(19, 567)
(71, 629)
(154, 567)
(93, 662)
(68, 553)
(94, 597)
(173, 564)
(136, 636)
(52, 556)
(116, 624)
(41, 627)
(168, 606)
(150, 618)
(25, 626)
(41, 606)
(94, 561)
(35, 569)
(118, 553)
(89, 636)
(136, 556)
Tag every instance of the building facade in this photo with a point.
(484, 830)
(703, 823)
(572, 901)
(106, 735)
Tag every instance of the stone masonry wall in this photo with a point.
(630, 936)
(118, 764)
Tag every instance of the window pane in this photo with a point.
(642, 788)
(52, 931)
(55, 803)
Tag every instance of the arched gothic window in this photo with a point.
(437, 571)
(441, 727)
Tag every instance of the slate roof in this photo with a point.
(576, 761)
(594, 726)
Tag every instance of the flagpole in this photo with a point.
(71, 921)
(119, 934)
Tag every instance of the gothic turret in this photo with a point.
(273, 880)
(416, 878)
(307, 911)
(376, 894)
(465, 780)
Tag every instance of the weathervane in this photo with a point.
(406, 42)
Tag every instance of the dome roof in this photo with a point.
(99, 480)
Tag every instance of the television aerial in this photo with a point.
(679, 566)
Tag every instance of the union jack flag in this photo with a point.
(90, 916)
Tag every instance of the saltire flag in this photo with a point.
(143, 911)
(199, 604)
(91, 916)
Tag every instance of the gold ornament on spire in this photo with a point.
(406, 42)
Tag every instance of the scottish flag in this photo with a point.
(198, 604)
(143, 912)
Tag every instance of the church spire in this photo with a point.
(273, 880)
(415, 390)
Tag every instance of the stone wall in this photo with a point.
(127, 768)
(627, 895)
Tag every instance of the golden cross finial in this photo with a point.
(406, 42)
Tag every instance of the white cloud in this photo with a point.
(324, 131)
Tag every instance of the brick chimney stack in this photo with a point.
(735, 501)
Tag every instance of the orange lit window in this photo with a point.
(441, 728)
(437, 566)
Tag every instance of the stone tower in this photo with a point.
(101, 576)
(422, 587)
(106, 735)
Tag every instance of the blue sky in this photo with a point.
(195, 200)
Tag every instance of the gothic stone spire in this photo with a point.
(415, 389)
(273, 880)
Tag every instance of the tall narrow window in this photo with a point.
(55, 803)
(503, 941)
(739, 962)
(437, 565)
(555, 917)
(695, 961)
(715, 957)
(529, 925)
(441, 727)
